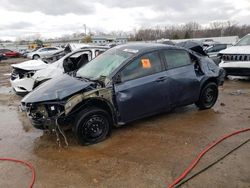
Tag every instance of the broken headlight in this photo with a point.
(43, 111)
(37, 112)
(54, 109)
(19, 73)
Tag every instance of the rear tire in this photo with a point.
(92, 125)
(208, 96)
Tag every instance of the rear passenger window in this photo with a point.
(145, 65)
(176, 58)
(52, 49)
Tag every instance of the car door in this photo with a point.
(51, 51)
(42, 52)
(182, 82)
(141, 90)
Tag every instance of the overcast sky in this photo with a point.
(53, 18)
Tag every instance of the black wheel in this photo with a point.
(208, 96)
(92, 126)
(36, 56)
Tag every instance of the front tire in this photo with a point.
(92, 125)
(208, 96)
(36, 57)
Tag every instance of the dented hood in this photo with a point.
(49, 72)
(56, 89)
(236, 50)
(31, 65)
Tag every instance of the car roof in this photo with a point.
(94, 47)
(89, 48)
(48, 47)
(141, 47)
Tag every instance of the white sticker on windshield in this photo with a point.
(130, 50)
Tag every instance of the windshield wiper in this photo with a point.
(84, 78)
(100, 80)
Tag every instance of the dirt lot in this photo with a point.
(148, 153)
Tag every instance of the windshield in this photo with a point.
(104, 64)
(244, 41)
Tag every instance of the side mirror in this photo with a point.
(117, 79)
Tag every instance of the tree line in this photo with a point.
(182, 31)
(190, 30)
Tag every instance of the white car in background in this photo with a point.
(28, 75)
(235, 60)
(43, 52)
(213, 51)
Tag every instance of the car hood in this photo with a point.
(236, 50)
(49, 72)
(30, 65)
(56, 89)
(52, 70)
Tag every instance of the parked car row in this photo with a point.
(28, 75)
(6, 53)
(123, 84)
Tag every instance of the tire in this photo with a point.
(36, 56)
(208, 96)
(92, 125)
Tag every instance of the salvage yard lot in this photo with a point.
(148, 153)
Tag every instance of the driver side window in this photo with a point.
(43, 50)
(145, 65)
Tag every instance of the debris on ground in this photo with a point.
(222, 104)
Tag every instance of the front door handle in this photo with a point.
(161, 79)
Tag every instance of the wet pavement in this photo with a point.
(145, 154)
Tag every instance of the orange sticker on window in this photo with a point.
(146, 63)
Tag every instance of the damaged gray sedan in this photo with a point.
(123, 84)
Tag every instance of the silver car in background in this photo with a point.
(43, 52)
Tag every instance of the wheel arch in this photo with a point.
(208, 80)
(35, 55)
(101, 103)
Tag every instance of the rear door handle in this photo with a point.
(161, 79)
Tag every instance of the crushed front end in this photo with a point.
(45, 115)
(22, 81)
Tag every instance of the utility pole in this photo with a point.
(85, 29)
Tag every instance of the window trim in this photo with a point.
(52, 48)
(84, 51)
(166, 62)
(139, 56)
(214, 47)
